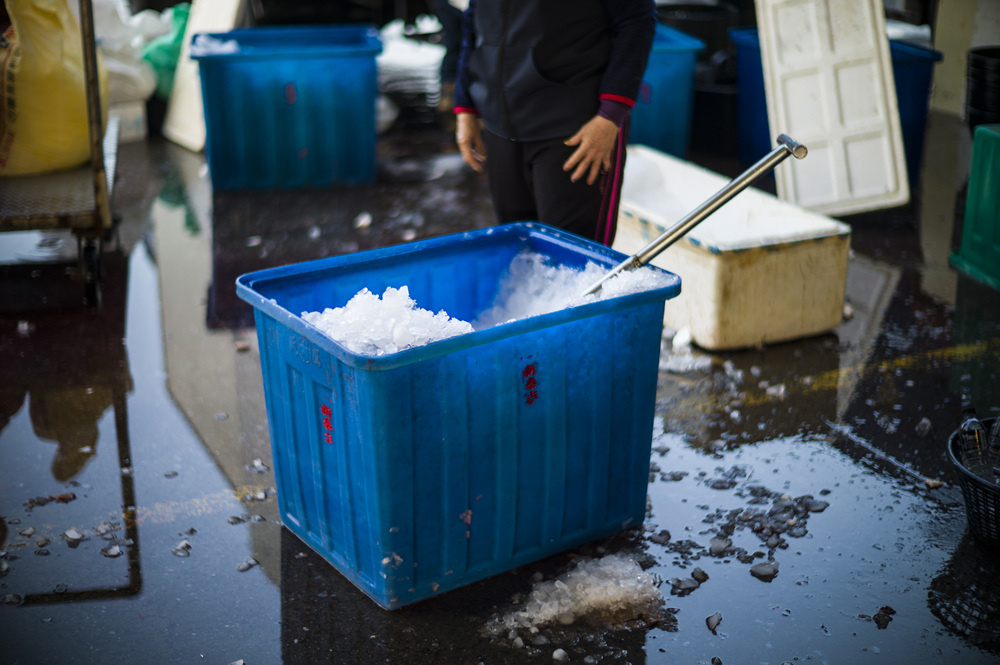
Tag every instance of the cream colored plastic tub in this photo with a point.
(757, 271)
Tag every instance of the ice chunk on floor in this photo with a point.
(375, 326)
(611, 589)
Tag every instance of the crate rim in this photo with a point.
(678, 40)
(246, 291)
(371, 44)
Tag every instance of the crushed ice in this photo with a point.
(532, 287)
(373, 325)
(612, 588)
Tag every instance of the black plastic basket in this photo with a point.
(982, 497)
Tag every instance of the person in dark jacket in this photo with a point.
(544, 89)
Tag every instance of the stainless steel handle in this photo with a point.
(786, 146)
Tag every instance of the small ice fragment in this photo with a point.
(112, 551)
(209, 45)
(182, 548)
(766, 571)
(254, 241)
(363, 220)
(28, 531)
(713, 622)
(560, 655)
(314, 232)
(73, 534)
(778, 391)
(258, 466)
(24, 328)
(719, 546)
(409, 235)
(682, 338)
(247, 564)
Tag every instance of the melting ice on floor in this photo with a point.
(612, 588)
(371, 325)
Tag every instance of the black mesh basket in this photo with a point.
(982, 497)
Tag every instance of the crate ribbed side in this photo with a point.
(448, 471)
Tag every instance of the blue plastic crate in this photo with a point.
(661, 117)
(292, 107)
(913, 72)
(421, 471)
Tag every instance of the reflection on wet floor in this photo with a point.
(789, 517)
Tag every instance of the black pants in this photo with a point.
(527, 183)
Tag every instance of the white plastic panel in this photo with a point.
(828, 83)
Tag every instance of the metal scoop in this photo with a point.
(786, 146)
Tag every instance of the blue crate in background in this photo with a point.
(912, 70)
(661, 117)
(291, 107)
(421, 471)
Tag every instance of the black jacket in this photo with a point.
(537, 69)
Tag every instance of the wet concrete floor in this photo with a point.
(140, 426)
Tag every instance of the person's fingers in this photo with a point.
(470, 141)
(577, 154)
(473, 157)
(594, 141)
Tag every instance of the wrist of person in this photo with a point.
(614, 111)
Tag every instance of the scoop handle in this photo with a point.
(786, 146)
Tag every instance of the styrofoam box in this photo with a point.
(471, 455)
(758, 270)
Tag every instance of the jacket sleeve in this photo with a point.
(463, 102)
(632, 24)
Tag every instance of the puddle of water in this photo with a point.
(880, 543)
(78, 604)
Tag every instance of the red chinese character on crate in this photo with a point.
(530, 384)
(327, 425)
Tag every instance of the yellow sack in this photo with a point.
(43, 98)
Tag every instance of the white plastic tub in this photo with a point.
(757, 271)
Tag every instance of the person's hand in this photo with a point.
(594, 142)
(469, 138)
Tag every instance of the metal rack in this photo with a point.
(76, 199)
